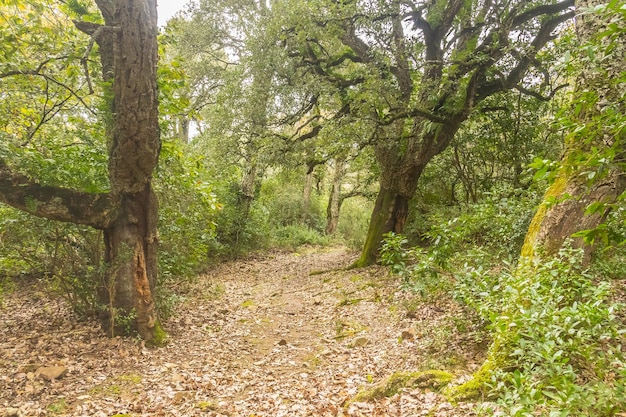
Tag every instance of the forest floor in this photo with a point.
(269, 335)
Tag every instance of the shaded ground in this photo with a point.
(266, 336)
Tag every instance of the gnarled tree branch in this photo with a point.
(54, 203)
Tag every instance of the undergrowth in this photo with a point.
(558, 330)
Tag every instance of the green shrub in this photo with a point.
(560, 340)
(354, 220)
(290, 237)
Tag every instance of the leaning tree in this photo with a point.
(127, 213)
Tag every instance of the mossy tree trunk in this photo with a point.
(573, 190)
(128, 213)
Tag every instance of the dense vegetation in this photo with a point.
(291, 122)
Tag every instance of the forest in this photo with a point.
(313, 208)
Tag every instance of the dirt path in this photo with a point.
(268, 336)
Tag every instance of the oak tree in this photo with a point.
(417, 70)
(126, 213)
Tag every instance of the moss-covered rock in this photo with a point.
(432, 379)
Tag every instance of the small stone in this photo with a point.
(360, 342)
(282, 342)
(51, 372)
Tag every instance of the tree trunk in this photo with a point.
(334, 200)
(182, 128)
(306, 194)
(248, 188)
(128, 213)
(389, 215)
(131, 240)
(400, 173)
(130, 280)
(554, 223)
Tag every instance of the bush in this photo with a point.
(354, 220)
(290, 237)
(559, 339)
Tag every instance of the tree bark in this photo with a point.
(248, 188)
(131, 240)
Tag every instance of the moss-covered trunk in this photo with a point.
(389, 215)
(554, 223)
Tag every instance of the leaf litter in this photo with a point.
(278, 334)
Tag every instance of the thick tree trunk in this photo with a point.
(400, 173)
(389, 215)
(130, 279)
(128, 213)
(131, 239)
(554, 223)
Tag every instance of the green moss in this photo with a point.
(473, 389)
(206, 406)
(555, 190)
(121, 415)
(432, 379)
(134, 378)
(58, 406)
(477, 386)
(113, 390)
(159, 337)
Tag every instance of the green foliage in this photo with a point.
(394, 254)
(353, 221)
(187, 213)
(559, 338)
(416, 267)
(67, 256)
(292, 236)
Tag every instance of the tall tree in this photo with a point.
(127, 213)
(222, 43)
(417, 69)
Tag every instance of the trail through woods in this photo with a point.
(271, 335)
